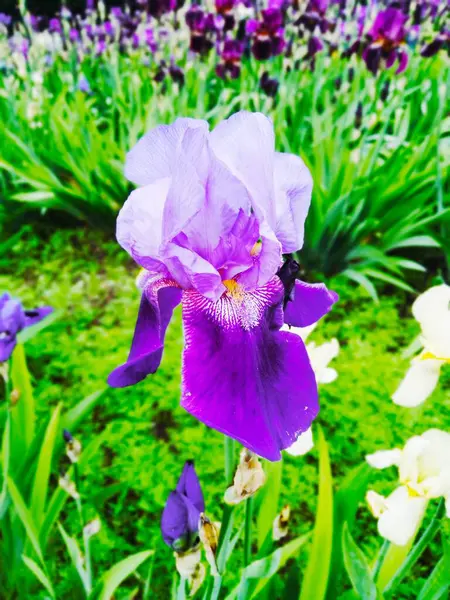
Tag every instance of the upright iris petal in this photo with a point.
(14, 318)
(209, 224)
(180, 518)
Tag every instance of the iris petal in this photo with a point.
(179, 522)
(241, 375)
(309, 303)
(155, 311)
(189, 486)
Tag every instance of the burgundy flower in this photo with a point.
(386, 38)
(267, 35)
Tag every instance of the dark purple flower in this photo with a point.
(214, 213)
(386, 38)
(180, 517)
(269, 85)
(231, 55)
(157, 8)
(225, 9)
(314, 46)
(177, 74)
(442, 40)
(14, 318)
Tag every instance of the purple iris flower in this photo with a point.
(231, 55)
(179, 521)
(14, 318)
(5, 19)
(442, 40)
(267, 34)
(386, 37)
(54, 26)
(209, 223)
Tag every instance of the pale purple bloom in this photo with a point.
(14, 318)
(209, 223)
(83, 85)
(180, 518)
(5, 19)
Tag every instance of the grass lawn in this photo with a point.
(91, 281)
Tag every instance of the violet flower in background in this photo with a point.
(386, 40)
(267, 35)
(231, 56)
(269, 85)
(214, 213)
(181, 514)
(14, 318)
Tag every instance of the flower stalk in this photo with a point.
(248, 530)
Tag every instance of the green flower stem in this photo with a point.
(229, 459)
(248, 530)
(86, 539)
(417, 550)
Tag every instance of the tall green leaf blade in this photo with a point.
(315, 580)
(26, 518)
(23, 411)
(39, 574)
(73, 417)
(6, 442)
(357, 568)
(41, 478)
(76, 557)
(29, 332)
(267, 499)
(437, 584)
(113, 578)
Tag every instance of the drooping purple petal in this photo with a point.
(402, 62)
(189, 485)
(245, 143)
(155, 311)
(241, 375)
(35, 315)
(309, 303)
(293, 187)
(153, 157)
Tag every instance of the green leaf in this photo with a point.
(315, 579)
(23, 411)
(76, 557)
(267, 499)
(263, 569)
(5, 467)
(350, 493)
(41, 478)
(112, 579)
(25, 516)
(437, 583)
(39, 574)
(357, 568)
(72, 418)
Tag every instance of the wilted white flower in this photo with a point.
(280, 525)
(249, 477)
(424, 473)
(320, 356)
(92, 528)
(209, 535)
(432, 311)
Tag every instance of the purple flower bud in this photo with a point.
(83, 85)
(177, 74)
(108, 28)
(74, 35)
(440, 41)
(5, 19)
(269, 85)
(180, 518)
(67, 436)
(54, 26)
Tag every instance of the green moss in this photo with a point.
(149, 436)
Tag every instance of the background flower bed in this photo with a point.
(146, 430)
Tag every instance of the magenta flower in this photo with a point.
(386, 39)
(180, 518)
(14, 318)
(214, 213)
